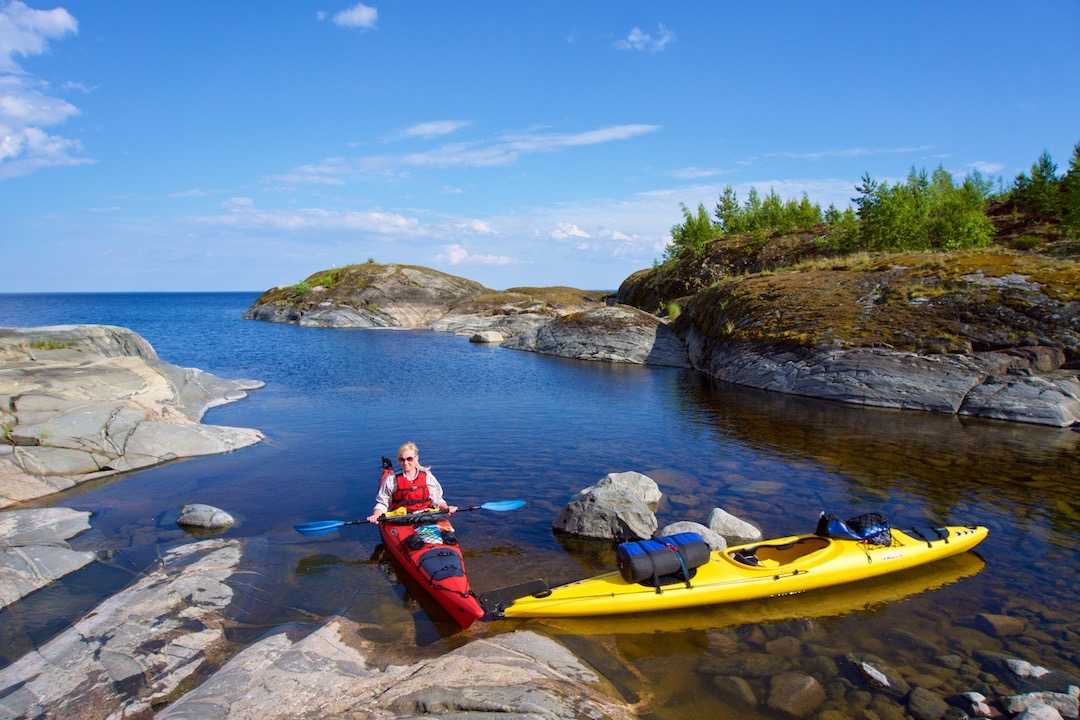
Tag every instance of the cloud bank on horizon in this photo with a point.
(531, 146)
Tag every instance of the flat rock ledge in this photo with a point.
(1017, 385)
(617, 334)
(33, 552)
(133, 651)
(79, 402)
(327, 674)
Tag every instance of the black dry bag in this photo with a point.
(674, 555)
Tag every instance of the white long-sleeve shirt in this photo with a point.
(387, 487)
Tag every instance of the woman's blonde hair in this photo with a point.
(407, 445)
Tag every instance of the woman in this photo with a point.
(414, 487)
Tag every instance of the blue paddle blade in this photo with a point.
(503, 505)
(319, 527)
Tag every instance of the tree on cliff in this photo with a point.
(1040, 193)
(691, 235)
(1071, 195)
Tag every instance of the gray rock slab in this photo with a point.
(83, 402)
(1044, 400)
(204, 516)
(33, 552)
(328, 674)
(631, 483)
(617, 333)
(134, 649)
(487, 336)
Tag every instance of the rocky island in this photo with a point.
(79, 402)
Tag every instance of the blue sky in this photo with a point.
(219, 146)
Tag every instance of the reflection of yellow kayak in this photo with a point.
(829, 602)
(782, 567)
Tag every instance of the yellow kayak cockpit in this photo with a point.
(769, 555)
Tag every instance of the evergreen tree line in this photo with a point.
(923, 212)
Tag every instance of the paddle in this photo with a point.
(322, 527)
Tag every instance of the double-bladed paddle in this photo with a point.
(322, 527)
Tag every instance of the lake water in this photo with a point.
(498, 424)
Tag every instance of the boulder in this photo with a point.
(134, 650)
(87, 401)
(712, 539)
(630, 483)
(1039, 712)
(795, 694)
(204, 516)
(733, 529)
(329, 673)
(735, 689)
(33, 552)
(999, 625)
(1064, 704)
(608, 514)
(619, 334)
(487, 336)
(926, 705)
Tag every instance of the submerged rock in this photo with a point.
(134, 650)
(79, 402)
(714, 540)
(204, 516)
(329, 674)
(795, 694)
(734, 530)
(32, 549)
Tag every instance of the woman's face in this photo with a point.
(409, 461)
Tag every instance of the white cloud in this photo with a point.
(241, 212)
(21, 104)
(476, 226)
(434, 128)
(79, 87)
(25, 31)
(643, 41)
(848, 152)
(358, 16)
(24, 108)
(451, 190)
(508, 148)
(329, 171)
(695, 173)
(24, 150)
(567, 230)
(193, 192)
(457, 255)
(987, 168)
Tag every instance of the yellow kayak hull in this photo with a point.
(788, 565)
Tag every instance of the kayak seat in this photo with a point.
(771, 556)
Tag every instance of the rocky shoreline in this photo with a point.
(913, 339)
(80, 402)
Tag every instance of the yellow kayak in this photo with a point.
(782, 566)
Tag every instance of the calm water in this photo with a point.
(498, 424)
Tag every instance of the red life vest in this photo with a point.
(412, 494)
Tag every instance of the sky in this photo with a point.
(149, 146)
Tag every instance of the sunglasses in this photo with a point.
(406, 459)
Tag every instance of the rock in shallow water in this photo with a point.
(32, 549)
(134, 649)
(712, 539)
(204, 516)
(327, 674)
(733, 529)
(617, 507)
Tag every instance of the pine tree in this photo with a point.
(1070, 199)
(727, 211)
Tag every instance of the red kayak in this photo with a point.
(437, 567)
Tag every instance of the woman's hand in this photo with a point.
(451, 509)
(373, 518)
